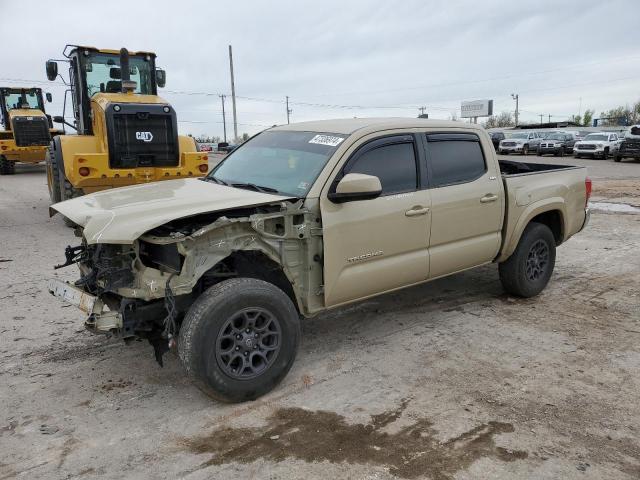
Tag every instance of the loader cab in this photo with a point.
(19, 99)
(94, 71)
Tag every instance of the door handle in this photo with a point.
(489, 197)
(417, 210)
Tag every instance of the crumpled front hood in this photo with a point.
(123, 214)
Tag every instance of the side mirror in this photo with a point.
(356, 186)
(58, 119)
(48, 97)
(52, 70)
(161, 78)
(115, 73)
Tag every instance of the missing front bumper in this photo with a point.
(99, 319)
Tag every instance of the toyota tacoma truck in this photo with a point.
(303, 218)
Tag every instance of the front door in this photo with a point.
(373, 246)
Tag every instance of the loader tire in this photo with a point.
(7, 167)
(53, 176)
(239, 339)
(528, 270)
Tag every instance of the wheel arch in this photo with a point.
(551, 213)
(256, 264)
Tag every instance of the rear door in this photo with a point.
(377, 245)
(467, 202)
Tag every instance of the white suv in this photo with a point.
(601, 144)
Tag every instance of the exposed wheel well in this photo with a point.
(553, 220)
(250, 264)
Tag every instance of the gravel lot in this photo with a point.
(452, 379)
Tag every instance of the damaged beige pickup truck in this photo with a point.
(303, 218)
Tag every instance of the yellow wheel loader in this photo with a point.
(125, 134)
(27, 128)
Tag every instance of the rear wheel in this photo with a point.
(617, 158)
(7, 167)
(528, 270)
(239, 339)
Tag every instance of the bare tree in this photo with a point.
(503, 119)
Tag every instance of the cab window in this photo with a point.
(392, 160)
(454, 158)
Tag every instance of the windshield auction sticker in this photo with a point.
(326, 140)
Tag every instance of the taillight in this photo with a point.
(587, 187)
(203, 168)
(83, 171)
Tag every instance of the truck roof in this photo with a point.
(350, 125)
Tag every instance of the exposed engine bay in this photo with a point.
(144, 289)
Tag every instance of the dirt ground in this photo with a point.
(452, 379)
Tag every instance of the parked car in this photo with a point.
(599, 144)
(297, 221)
(496, 138)
(629, 147)
(557, 144)
(519, 142)
(225, 147)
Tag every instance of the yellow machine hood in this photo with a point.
(121, 215)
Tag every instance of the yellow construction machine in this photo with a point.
(27, 129)
(125, 134)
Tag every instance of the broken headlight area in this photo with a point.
(103, 267)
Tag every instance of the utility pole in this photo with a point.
(549, 118)
(289, 111)
(541, 115)
(224, 119)
(516, 97)
(422, 112)
(233, 97)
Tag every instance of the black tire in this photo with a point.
(211, 322)
(7, 167)
(577, 155)
(605, 154)
(562, 151)
(525, 150)
(538, 152)
(617, 158)
(528, 270)
(53, 175)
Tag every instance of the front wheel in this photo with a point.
(528, 270)
(7, 167)
(525, 150)
(239, 339)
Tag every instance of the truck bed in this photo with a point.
(534, 187)
(512, 168)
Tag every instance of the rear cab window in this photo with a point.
(454, 158)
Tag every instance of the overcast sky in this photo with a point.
(347, 58)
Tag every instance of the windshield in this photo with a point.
(596, 136)
(14, 99)
(103, 74)
(519, 135)
(286, 162)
